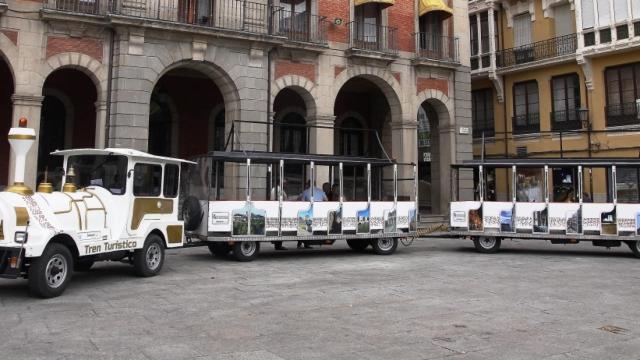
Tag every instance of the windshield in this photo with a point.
(107, 171)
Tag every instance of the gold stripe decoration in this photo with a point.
(384, 3)
(439, 6)
(22, 216)
(20, 189)
(21, 137)
(174, 234)
(149, 206)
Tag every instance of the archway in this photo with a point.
(433, 149)
(363, 117)
(186, 112)
(291, 135)
(67, 119)
(6, 78)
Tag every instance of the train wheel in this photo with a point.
(635, 247)
(384, 246)
(246, 250)
(148, 261)
(51, 272)
(357, 245)
(487, 244)
(219, 249)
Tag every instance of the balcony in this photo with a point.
(300, 27)
(526, 124)
(436, 48)
(566, 120)
(229, 15)
(541, 50)
(622, 114)
(86, 7)
(371, 40)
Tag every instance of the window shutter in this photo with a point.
(522, 29)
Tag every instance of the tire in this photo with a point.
(148, 261)
(219, 249)
(487, 244)
(50, 274)
(246, 250)
(358, 245)
(635, 247)
(384, 246)
(83, 264)
(191, 213)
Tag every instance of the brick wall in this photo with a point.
(402, 16)
(11, 35)
(335, 9)
(59, 44)
(285, 67)
(436, 84)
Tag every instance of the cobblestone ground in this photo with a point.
(435, 299)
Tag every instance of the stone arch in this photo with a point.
(302, 86)
(9, 53)
(93, 68)
(219, 76)
(387, 83)
(440, 102)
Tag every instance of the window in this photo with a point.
(367, 23)
(588, 18)
(484, 31)
(171, 180)
(522, 30)
(474, 34)
(525, 105)
(627, 180)
(295, 18)
(622, 90)
(352, 138)
(482, 112)
(565, 101)
(107, 171)
(432, 43)
(605, 36)
(147, 180)
(622, 32)
(620, 10)
(604, 15)
(589, 39)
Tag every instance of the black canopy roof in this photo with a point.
(551, 162)
(263, 157)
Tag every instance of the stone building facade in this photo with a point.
(177, 77)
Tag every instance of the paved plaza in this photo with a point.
(435, 299)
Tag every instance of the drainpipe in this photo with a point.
(109, 87)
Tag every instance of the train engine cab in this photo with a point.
(113, 204)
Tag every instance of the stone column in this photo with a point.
(492, 40)
(101, 124)
(404, 149)
(321, 141)
(29, 106)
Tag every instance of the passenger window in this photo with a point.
(147, 180)
(171, 174)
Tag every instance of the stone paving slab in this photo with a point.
(435, 299)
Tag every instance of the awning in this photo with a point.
(427, 6)
(384, 3)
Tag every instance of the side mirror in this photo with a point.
(129, 173)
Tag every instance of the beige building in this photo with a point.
(175, 77)
(557, 79)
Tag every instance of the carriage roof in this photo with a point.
(119, 151)
(551, 162)
(263, 157)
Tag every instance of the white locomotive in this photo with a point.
(115, 204)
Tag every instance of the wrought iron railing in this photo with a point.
(88, 7)
(436, 47)
(372, 37)
(622, 114)
(243, 16)
(526, 124)
(565, 120)
(546, 49)
(302, 27)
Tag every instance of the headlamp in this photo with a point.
(21, 237)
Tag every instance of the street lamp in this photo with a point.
(583, 115)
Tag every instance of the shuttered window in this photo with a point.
(522, 30)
